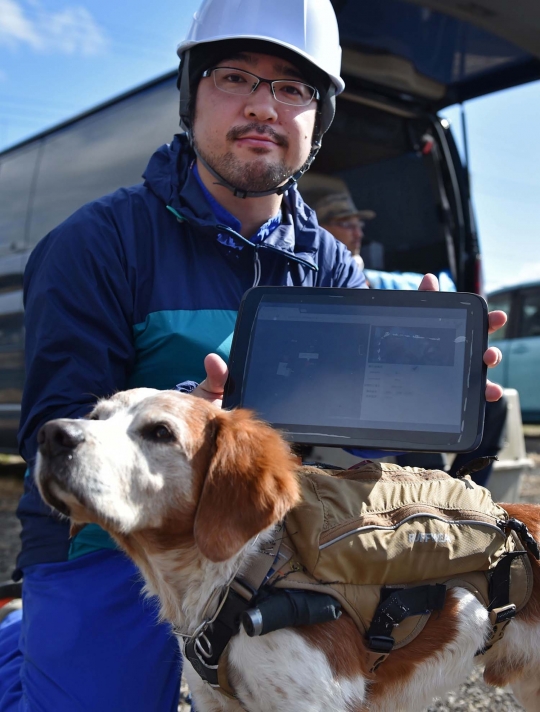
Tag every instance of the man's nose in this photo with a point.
(261, 104)
(59, 438)
(358, 232)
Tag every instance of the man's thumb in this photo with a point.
(216, 374)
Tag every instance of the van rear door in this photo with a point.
(440, 52)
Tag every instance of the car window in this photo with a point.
(16, 174)
(530, 313)
(503, 302)
(100, 153)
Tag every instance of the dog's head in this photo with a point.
(169, 465)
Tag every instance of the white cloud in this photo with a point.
(15, 27)
(70, 31)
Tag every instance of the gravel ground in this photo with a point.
(472, 696)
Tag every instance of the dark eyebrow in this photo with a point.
(283, 70)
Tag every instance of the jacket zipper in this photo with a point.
(237, 236)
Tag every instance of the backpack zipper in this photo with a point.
(369, 527)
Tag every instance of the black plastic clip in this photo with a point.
(525, 535)
(476, 465)
(381, 643)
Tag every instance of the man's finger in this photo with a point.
(216, 373)
(493, 391)
(211, 389)
(429, 283)
(492, 357)
(496, 320)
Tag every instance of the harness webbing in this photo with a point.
(205, 650)
(395, 606)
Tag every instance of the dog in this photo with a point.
(190, 492)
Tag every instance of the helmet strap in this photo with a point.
(280, 190)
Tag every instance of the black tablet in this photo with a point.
(392, 370)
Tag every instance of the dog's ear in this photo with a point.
(250, 484)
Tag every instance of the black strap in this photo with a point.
(204, 651)
(525, 535)
(500, 608)
(499, 583)
(476, 465)
(396, 605)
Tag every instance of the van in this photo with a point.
(402, 63)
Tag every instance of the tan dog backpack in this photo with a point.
(387, 541)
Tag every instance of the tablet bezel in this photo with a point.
(393, 440)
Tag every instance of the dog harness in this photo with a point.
(383, 543)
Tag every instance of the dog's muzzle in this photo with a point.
(58, 442)
(59, 439)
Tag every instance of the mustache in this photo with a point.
(240, 131)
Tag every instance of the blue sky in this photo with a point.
(58, 58)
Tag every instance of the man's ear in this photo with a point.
(250, 484)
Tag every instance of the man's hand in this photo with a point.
(492, 357)
(211, 389)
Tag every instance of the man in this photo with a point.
(337, 213)
(135, 289)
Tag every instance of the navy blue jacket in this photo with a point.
(135, 289)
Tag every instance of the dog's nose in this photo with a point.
(59, 438)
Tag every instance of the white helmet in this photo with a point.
(305, 28)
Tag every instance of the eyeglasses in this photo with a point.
(236, 81)
(351, 224)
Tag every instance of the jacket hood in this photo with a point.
(169, 176)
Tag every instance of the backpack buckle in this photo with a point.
(381, 643)
(504, 614)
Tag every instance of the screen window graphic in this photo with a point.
(413, 376)
(375, 368)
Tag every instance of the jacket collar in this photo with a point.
(169, 177)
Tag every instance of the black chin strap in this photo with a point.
(239, 193)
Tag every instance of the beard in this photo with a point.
(257, 174)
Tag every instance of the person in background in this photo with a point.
(337, 213)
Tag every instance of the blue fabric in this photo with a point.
(88, 641)
(170, 342)
(405, 280)
(107, 291)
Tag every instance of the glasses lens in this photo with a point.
(350, 224)
(234, 81)
(295, 93)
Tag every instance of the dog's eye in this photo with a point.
(159, 433)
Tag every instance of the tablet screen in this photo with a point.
(325, 370)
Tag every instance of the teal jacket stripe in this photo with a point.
(170, 347)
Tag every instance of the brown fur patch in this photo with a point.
(342, 644)
(502, 672)
(440, 631)
(251, 483)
